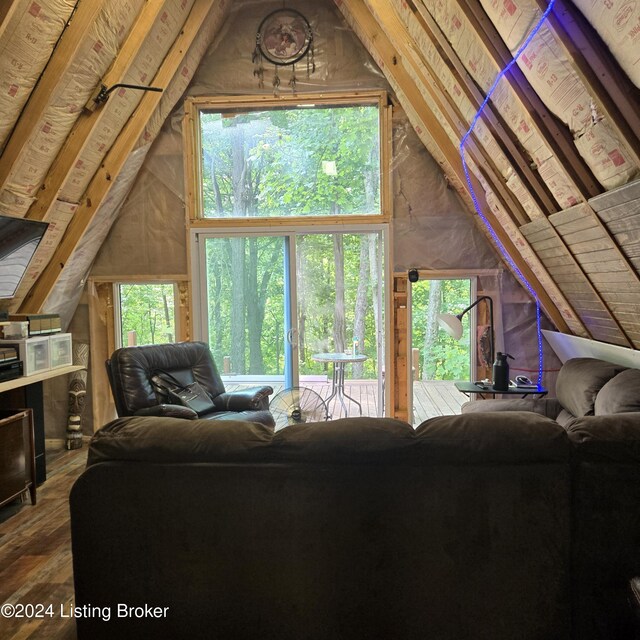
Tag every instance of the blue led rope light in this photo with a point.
(486, 223)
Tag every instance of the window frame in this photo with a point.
(194, 106)
(117, 306)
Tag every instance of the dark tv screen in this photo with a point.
(19, 239)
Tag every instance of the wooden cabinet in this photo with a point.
(26, 391)
(17, 455)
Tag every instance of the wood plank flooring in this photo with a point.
(35, 554)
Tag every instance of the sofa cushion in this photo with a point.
(579, 381)
(612, 438)
(549, 407)
(160, 439)
(620, 395)
(507, 437)
(344, 441)
(349, 441)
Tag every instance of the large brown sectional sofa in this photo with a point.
(598, 404)
(482, 526)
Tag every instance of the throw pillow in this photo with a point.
(579, 381)
(620, 395)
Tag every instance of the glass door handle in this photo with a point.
(292, 338)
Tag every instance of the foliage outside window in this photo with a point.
(147, 310)
(336, 284)
(292, 161)
(441, 356)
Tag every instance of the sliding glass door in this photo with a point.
(273, 305)
(244, 303)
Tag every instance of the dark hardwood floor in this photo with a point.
(35, 556)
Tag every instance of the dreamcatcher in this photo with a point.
(284, 37)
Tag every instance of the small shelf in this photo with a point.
(23, 381)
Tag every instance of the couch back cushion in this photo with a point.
(580, 380)
(517, 437)
(620, 395)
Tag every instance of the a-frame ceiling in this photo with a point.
(554, 159)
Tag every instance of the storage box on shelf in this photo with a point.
(14, 330)
(60, 351)
(33, 352)
(42, 353)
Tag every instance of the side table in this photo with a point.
(488, 390)
(337, 384)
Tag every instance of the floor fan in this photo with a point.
(297, 405)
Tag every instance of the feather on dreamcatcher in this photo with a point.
(284, 38)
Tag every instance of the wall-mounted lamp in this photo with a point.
(101, 95)
(452, 324)
(414, 276)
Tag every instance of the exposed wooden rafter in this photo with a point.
(115, 159)
(63, 56)
(89, 120)
(613, 101)
(428, 84)
(510, 145)
(555, 133)
(385, 53)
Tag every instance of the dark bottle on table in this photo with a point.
(501, 372)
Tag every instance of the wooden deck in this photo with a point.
(430, 399)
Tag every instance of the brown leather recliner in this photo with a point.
(131, 369)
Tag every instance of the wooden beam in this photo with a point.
(7, 10)
(115, 159)
(612, 101)
(63, 57)
(381, 48)
(89, 120)
(397, 33)
(397, 380)
(555, 133)
(510, 145)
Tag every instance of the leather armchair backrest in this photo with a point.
(130, 371)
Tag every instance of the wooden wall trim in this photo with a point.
(397, 379)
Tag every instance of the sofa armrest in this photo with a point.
(169, 411)
(253, 398)
(549, 407)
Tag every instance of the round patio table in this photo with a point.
(339, 361)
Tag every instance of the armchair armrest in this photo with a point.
(251, 399)
(169, 411)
